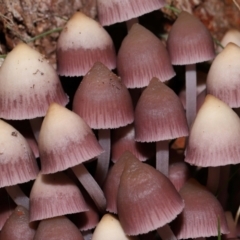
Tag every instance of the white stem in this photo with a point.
(130, 22)
(191, 93)
(104, 138)
(213, 179)
(91, 186)
(166, 233)
(17, 195)
(162, 157)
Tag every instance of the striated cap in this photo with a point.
(189, 41)
(82, 42)
(146, 199)
(55, 195)
(123, 139)
(113, 11)
(159, 114)
(65, 140)
(102, 100)
(147, 58)
(112, 181)
(214, 136)
(200, 215)
(28, 85)
(17, 162)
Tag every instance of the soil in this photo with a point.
(22, 20)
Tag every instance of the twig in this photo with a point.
(236, 4)
(175, 10)
(44, 34)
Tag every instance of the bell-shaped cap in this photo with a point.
(110, 228)
(112, 181)
(28, 85)
(201, 213)
(123, 139)
(189, 41)
(102, 100)
(159, 114)
(65, 140)
(57, 228)
(113, 11)
(147, 58)
(214, 136)
(82, 42)
(179, 173)
(223, 77)
(17, 162)
(17, 227)
(55, 195)
(146, 199)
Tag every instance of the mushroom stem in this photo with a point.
(162, 157)
(166, 233)
(104, 138)
(191, 92)
(91, 186)
(18, 196)
(130, 22)
(87, 235)
(213, 179)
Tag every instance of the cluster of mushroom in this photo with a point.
(67, 151)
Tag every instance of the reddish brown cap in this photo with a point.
(112, 181)
(189, 41)
(147, 58)
(83, 42)
(113, 11)
(159, 114)
(146, 199)
(57, 228)
(123, 139)
(17, 227)
(200, 215)
(65, 140)
(102, 100)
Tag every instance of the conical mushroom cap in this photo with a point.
(214, 136)
(83, 42)
(202, 209)
(110, 228)
(189, 41)
(17, 162)
(102, 100)
(123, 139)
(147, 56)
(113, 11)
(112, 181)
(17, 227)
(60, 228)
(28, 84)
(223, 77)
(65, 140)
(159, 114)
(146, 199)
(55, 195)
